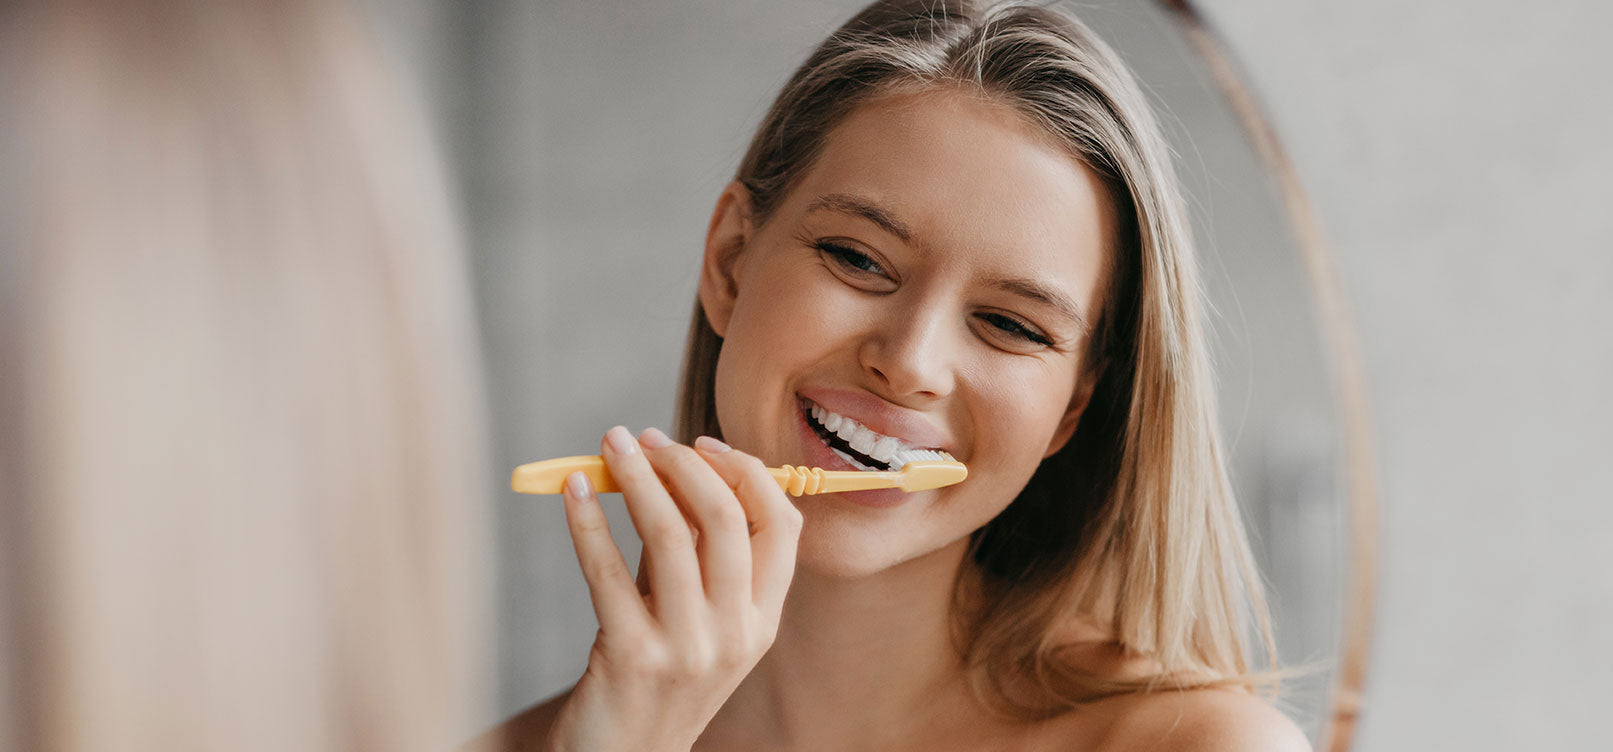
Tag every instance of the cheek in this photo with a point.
(793, 314)
(1024, 411)
(783, 321)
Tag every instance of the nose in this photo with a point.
(910, 353)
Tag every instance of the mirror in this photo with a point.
(592, 140)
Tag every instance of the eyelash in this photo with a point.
(844, 255)
(847, 258)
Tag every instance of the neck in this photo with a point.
(858, 660)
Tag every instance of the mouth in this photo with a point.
(856, 443)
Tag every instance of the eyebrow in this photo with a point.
(1029, 288)
(1023, 287)
(849, 204)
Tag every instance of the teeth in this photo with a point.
(853, 460)
(878, 446)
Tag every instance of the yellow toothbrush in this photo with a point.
(547, 476)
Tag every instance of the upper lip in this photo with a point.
(880, 417)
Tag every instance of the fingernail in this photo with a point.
(711, 445)
(620, 441)
(577, 485)
(654, 439)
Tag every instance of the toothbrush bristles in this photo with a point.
(918, 455)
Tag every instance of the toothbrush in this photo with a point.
(921, 470)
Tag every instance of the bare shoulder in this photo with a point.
(1198, 720)
(525, 730)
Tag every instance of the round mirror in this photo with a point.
(592, 140)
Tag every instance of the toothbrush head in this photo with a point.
(923, 475)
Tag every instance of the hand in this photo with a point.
(720, 539)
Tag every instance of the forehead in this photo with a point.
(972, 179)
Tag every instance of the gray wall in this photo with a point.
(1459, 155)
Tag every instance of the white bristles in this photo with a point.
(919, 455)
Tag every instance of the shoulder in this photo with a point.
(1196, 720)
(525, 730)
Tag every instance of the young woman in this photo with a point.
(958, 227)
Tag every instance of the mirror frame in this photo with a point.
(1342, 352)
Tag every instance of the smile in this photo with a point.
(853, 441)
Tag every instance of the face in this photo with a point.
(929, 280)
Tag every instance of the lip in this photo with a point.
(817, 454)
(879, 417)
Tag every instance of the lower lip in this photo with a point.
(820, 455)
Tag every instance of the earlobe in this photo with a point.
(1072, 415)
(1066, 429)
(726, 238)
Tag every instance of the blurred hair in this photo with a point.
(242, 452)
(1133, 523)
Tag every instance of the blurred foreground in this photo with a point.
(242, 449)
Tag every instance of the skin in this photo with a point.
(919, 332)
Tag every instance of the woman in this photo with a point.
(958, 228)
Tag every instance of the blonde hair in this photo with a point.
(1133, 522)
(242, 438)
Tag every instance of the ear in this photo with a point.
(726, 239)
(1078, 406)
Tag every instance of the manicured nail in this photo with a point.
(654, 439)
(709, 444)
(620, 441)
(577, 484)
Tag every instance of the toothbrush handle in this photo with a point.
(797, 481)
(548, 476)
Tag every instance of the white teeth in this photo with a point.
(877, 446)
(852, 460)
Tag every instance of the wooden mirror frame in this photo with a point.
(1342, 354)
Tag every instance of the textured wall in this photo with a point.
(1458, 153)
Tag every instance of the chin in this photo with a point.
(837, 553)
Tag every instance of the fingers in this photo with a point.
(617, 602)
(775, 521)
(714, 523)
(723, 544)
(675, 577)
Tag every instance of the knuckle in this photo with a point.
(679, 459)
(792, 518)
(734, 659)
(725, 513)
(593, 525)
(750, 484)
(763, 628)
(602, 570)
(671, 536)
(650, 663)
(631, 470)
(766, 635)
(695, 661)
(753, 464)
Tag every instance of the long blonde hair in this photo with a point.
(242, 454)
(1133, 523)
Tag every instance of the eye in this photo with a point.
(848, 259)
(1015, 328)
